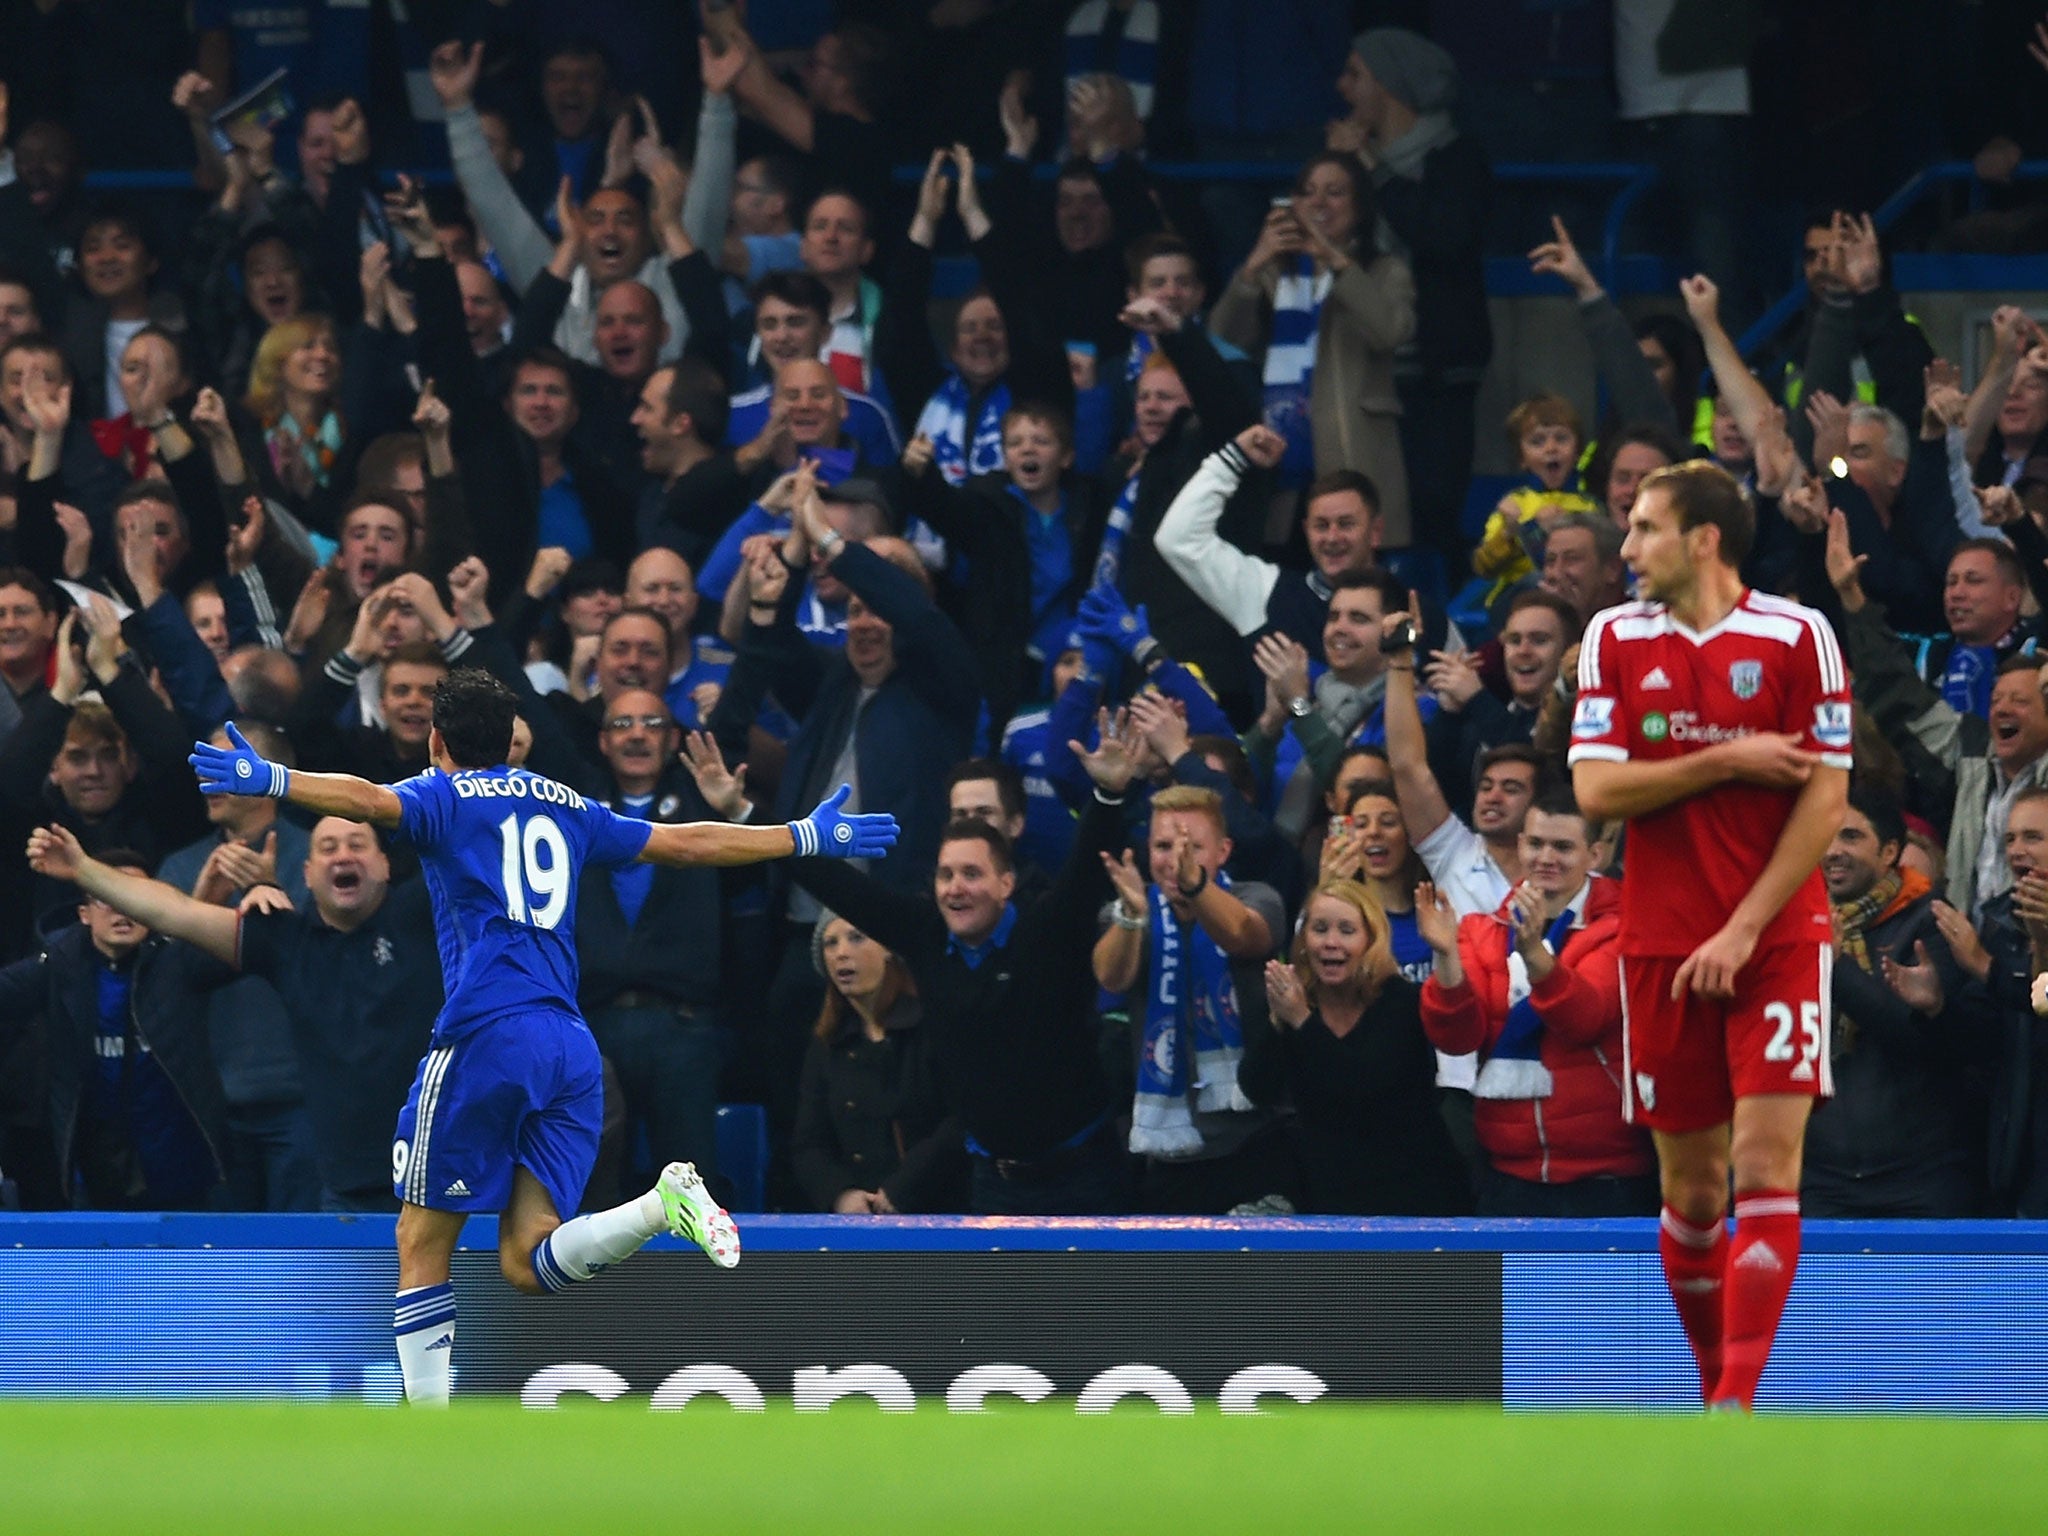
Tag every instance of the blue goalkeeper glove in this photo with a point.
(237, 770)
(826, 834)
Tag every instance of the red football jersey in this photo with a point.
(1651, 689)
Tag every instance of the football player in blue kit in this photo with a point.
(504, 1113)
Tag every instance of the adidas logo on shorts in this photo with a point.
(457, 1188)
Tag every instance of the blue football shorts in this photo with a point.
(524, 1091)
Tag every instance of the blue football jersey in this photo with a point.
(500, 850)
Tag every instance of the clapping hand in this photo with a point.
(828, 833)
(1525, 917)
(237, 769)
(1454, 678)
(1962, 940)
(1844, 565)
(1919, 984)
(1283, 662)
(1435, 919)
(931, 202)
(1286, 999)
(1165, 728)
(1128, 880)
(1020, 128)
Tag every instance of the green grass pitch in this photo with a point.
(619, 1467)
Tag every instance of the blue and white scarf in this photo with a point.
(1185, 964)
(1514, 1068)
(944, 421)
(1109, 557)
(1135, 57)
(1298, 297)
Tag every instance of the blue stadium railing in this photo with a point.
(1924, 272)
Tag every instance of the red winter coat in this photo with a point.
(1577, 1132)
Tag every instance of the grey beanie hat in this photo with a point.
(826, 917)
(1409, 66)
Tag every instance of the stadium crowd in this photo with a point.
(1236, 872)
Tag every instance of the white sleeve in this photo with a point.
(1235, 584)
(1449, 854)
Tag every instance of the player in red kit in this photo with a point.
(1715, 720)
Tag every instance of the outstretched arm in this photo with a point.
(825, 833)
(240, 770)
(54, 852)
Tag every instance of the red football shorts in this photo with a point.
(1685, 1063)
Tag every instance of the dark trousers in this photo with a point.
(1212, 1186)
(358, 1202)
(271, 1161)
(1087, 1181)
(666, 1067)
(1502, 1195)
(774, 1047)
(1436, 443)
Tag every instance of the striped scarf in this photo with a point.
(1109, 558)
(1135, 57)
(958, 453)
(1185, 966)
(1291, 365)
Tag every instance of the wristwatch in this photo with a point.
(1301, 706)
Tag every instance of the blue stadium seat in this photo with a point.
(743, 1154)
(1468, 611)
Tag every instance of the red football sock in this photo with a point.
(1761, 1262)
(1693, 1259)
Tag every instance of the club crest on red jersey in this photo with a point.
(1746, 678)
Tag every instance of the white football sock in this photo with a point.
(424, 1326)
(578, 1249)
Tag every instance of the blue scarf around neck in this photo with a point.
(1514, 1068)
(958, 448)
(1185, 968)
(1298, 297)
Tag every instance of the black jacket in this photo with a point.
(1371, 1140)
(167, 1000)
(919, 722)
(1016, 1035)
(1185, 624)
(1441, 219)
(2017, 1063)
(674, 946)
(158, 813)
(984, 522)
(499, 464)
(1900, 1137)
(870, 1116)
